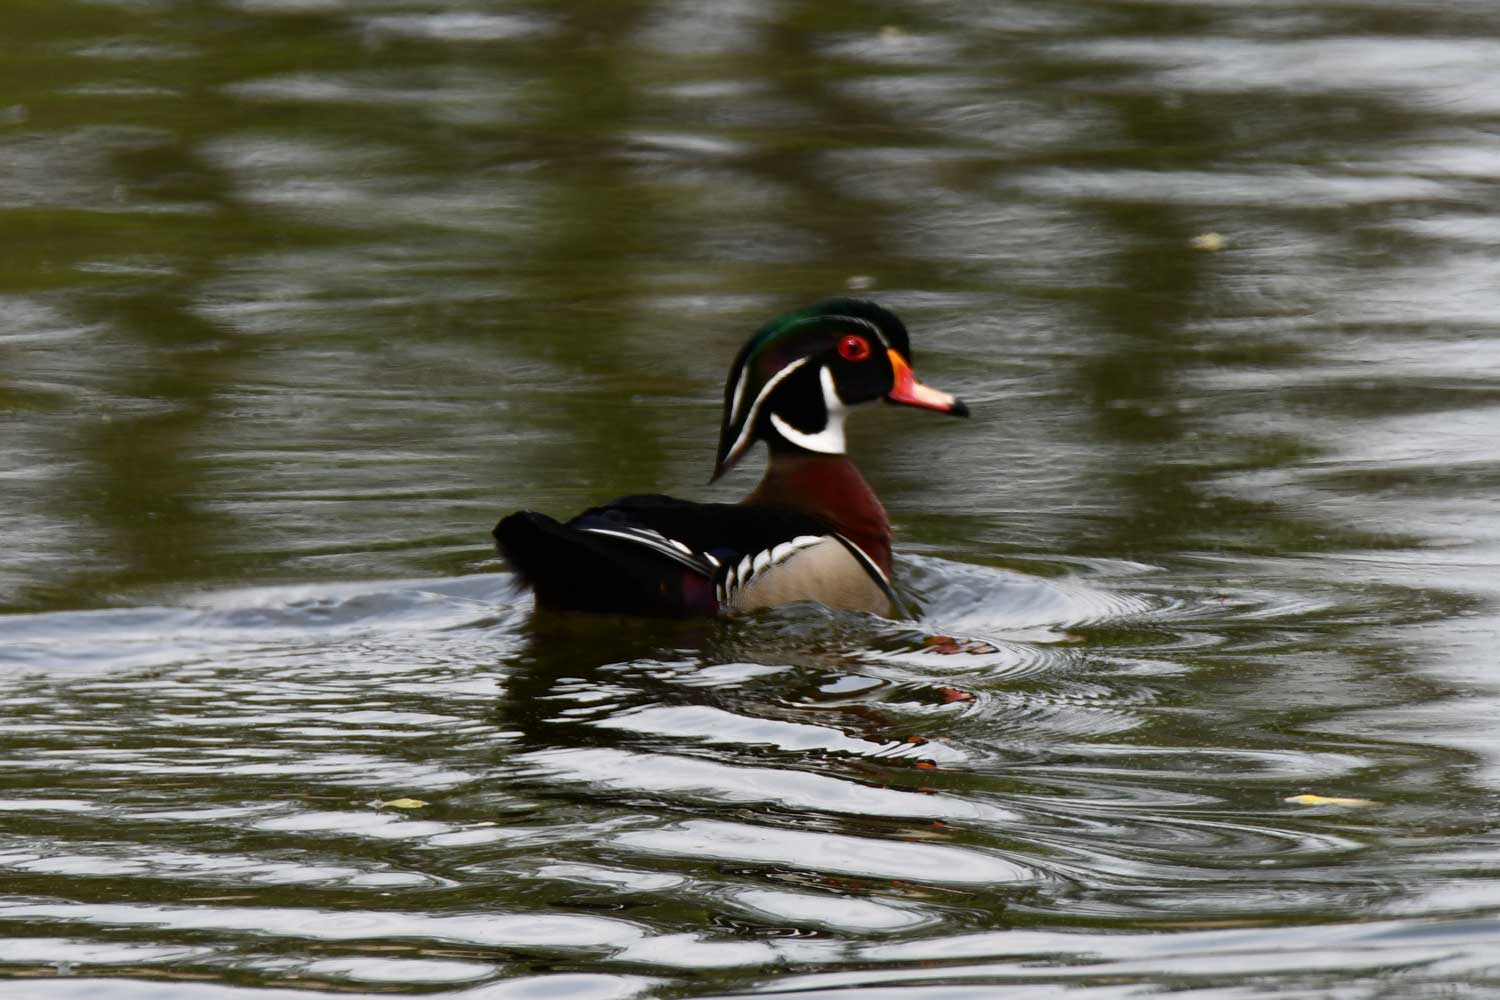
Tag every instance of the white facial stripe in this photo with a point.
(829, 440)
(739, 385)
(748, 427)
(739, 397)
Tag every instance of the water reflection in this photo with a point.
(792, 771)
(300, 295)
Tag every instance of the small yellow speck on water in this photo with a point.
(1210, 242)
(892, 35)
(1327, 800)
(405, 803)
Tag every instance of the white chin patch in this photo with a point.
(829, 440)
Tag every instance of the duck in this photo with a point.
(811, 530)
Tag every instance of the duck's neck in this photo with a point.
(831, 489)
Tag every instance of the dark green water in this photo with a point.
(298, 296)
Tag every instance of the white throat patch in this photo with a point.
(829, 440)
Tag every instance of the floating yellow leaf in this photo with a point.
(1211, 242)
(1327, 800)
(405, 803)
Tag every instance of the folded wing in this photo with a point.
(657, 555)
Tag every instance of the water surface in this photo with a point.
(1197, 691)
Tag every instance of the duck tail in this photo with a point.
(581, 571)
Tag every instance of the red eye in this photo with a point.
(853, 348)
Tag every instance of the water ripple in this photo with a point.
(616, 771)
(826, 852)
(344, 280)
(538, 931)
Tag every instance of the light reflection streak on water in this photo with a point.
(301, 314)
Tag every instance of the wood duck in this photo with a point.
(812, 530)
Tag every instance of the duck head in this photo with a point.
(795, 380)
